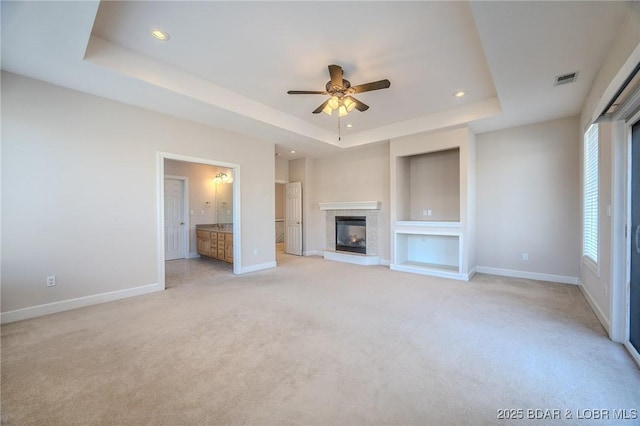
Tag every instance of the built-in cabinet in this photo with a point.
(433, 203)
(215, 244)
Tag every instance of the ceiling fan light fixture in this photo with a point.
(349, 104)
(342, 111)
(334, 102)
(327, 109)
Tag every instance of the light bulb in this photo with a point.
(327, 109)
(349, 103)
(334, 102)
(342, 111)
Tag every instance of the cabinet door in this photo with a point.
(228, 251)
(203, 246)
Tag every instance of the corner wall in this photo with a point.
(80, 195)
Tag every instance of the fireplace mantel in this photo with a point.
(351, 205)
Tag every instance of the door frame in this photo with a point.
(625, 309)
(237, 238)
(186, 250)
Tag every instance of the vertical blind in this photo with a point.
(590, 218)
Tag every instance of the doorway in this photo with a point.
(235, 212)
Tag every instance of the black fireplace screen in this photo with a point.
(351, 234)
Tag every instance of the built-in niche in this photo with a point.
(434, 186)
(433, 203)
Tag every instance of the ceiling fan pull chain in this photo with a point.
(339, 130)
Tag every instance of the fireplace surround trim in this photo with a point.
(351, 205)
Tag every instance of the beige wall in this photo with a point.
(528, 198)
(80, 187)
(280, 200)
(606, 289)
(435, 185)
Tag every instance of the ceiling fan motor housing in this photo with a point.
(334, 90)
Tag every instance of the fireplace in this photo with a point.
(351, 234)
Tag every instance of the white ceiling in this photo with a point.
(229, 64)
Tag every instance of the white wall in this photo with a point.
(80, 187)
(528, 199)
(356, 174)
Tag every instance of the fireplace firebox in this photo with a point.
(351, 234)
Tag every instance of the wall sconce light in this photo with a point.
(221, 178)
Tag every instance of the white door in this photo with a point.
(173, 219)
(293, 219)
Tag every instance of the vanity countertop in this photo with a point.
(218, 227)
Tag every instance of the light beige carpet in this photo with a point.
(317, 342)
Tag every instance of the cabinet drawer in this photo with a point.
(221, 235)
(204, 234)
(220, 253)
(228, 237)
(214, 244)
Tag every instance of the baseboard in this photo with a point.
(313, 253)
(258, 267)
(633, 352)
(80, 302)
(193, 255)
(595, 307)
(562, 279)
(385, 262)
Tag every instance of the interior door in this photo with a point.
(293, 219)
(634, 285)
(173, 219)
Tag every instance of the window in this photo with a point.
(590, 218)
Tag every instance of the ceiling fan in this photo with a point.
(341, 91)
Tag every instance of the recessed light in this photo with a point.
(292, 151)
(459, 94)
(349, 125)
(160, 34)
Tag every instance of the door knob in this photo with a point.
(637, 242)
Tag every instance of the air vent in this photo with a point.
(566, 78)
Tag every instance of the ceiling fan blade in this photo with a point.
(359, 105)
(375, 85)
(335, 71)
(321, 107)
(305, 92)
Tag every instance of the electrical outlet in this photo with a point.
(426, 212)
(51, 281)
(525, 256)
(255, 252)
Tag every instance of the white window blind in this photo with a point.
(590, 218)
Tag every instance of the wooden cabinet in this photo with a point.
(215, 244)
(204, 242)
